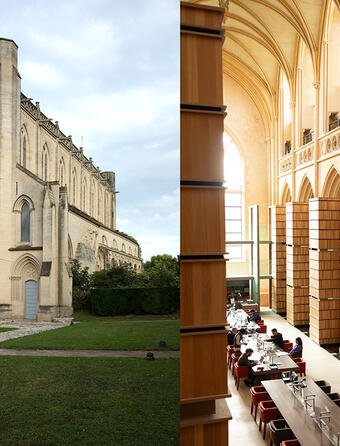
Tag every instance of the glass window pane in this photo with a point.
(233, 199)
(25, 223)
(232, 236)
(235, 251)
(233, 226)
(233, 213)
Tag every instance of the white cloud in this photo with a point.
(42, 74)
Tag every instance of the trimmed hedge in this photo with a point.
(119, 301)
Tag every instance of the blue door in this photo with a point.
(31, 299)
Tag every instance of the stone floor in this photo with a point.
(320, 365)
(25, 327)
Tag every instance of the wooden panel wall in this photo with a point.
(297, 260)
(278, 231)
(204, 412)
(324, 259)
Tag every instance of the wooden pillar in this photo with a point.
(278, 231)
(324, 258)
(297, 256)
(204, 412)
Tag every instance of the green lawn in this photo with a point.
(2, 329)
(96, 335)
(86, 316)
(89, 402)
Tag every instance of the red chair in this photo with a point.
(241, 371)
(287, 346)
(290, 443)
(268, 412)
(260, 322)
(258, 394)
(234, 359)
(230, 351)
(302, 365)
(262, 329)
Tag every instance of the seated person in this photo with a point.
(238, 340)
(296, 351)
(255, 316)
(246, 362)
(277, 339)
(231, 336)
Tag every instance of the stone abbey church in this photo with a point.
(55, 205)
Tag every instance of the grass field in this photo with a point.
(2, 329)
(118, 335)
(89, 402)
(86, 316)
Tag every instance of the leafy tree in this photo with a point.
(162, 270)
(118, 276)
(81, 285)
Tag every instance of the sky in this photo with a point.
(108, 71)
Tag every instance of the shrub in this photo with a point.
(120, 301)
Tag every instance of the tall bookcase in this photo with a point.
(297, 257)
(204, 387)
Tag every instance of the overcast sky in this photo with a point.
(108, 71)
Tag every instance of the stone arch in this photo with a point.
(84, 203)
(123, 247)
(74, 187)
(70, 248)
(305, 191)
(331, 187)
(104, 240)
(26, 268)
(115, 244)
(20, 201)
(62, 172)
(24, 152)
(45, 163)
(286, 195)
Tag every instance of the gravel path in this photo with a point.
(88, 353)
(25, 328)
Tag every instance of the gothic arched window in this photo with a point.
(25, 222)
(24, 152)
(233, 174)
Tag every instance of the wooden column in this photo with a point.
(204, 412)
(324, 258)
(297, 257)
(278, 231)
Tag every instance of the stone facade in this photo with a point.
(55, 205)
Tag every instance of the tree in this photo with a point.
(80, 285)
(118, 276)
(162, 270)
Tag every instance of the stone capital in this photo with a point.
(316, 85)
(292, 105)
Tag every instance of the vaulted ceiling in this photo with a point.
(263, 39)
(262, 35)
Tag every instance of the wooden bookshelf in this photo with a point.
(278, 235)
(203, 362)
(297, 263)
(324, 261)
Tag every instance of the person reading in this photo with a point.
(231, 336)
(277, 339)
(296, 351)
(246, 362)
(255, 316)
(238, 340)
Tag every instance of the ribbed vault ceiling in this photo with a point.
(262, 36)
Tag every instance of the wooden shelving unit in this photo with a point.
(204, 412)
(324, 263)
(278, 234)
(297, 258)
